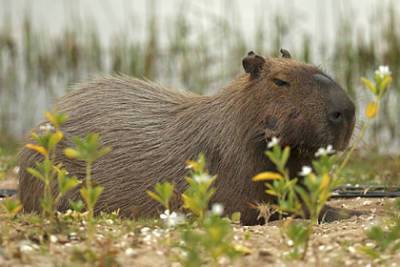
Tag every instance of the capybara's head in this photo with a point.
(305, 107)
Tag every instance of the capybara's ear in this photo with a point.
(285, 53)
(253, 64)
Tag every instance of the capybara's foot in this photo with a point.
(331, 214)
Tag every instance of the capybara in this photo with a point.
(154, 130)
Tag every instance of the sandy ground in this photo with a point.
(123, 243)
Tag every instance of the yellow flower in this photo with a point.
(71, 153)
(267, 176)
(51, 119)
(38, 149)
(371, 110)
(55, 139)
(242, 249)
(191, 164)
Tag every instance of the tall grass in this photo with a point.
(36, 67)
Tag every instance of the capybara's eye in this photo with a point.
(280, 82)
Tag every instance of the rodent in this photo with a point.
(154, 130)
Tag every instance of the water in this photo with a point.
(319, 21)
(314, 17)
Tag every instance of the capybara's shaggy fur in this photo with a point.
(153, 130)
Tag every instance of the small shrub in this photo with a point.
(162, 193)
(306, 199)
(386, 238)
(88, 149)
(48, 171)
(206, 236)
(11, 206)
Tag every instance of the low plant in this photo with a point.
(378, 87)
(279, 184)
(213, 241)
(385, 237)
(199, 192)
(55, 177)
(206, 236)
(88, 149)
(51, 174)
(305, 199)
(11, 206)
(163, 193)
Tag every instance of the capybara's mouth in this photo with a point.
(342, 139)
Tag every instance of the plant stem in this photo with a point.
(306, 243)
(89, 175)
(88, 180)
(353, 147)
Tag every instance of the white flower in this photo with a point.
(46, 127)
(72, 235)
(383, 71)
(145, 230)
(158, 232)
(130, 252)
(53, 239)
(25, 248)
(325, 151)
(202, 178)
(217, 209)
(172, 219)
(274, 141)
(305, 170)
(16, 169)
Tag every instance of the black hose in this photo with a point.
(340, 192)
(365, 192)
(7, 192)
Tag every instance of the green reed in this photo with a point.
(36, 67)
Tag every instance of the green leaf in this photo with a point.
(367, 83)
(385, 83)
(272, 192)
(154, 196)
(298, 233)
(235, 217)
(273, 156)
(91, 195)
(35, 173)
(285, 156)
(163, 193)
(89, 148)
(304, 197)
(66, 183)
(76, 205)
(370, 252)
(12, 206)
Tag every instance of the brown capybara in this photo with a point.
(153, 130)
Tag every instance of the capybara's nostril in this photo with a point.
(336, 117)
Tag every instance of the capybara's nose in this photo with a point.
(336, 116)
(341, 108)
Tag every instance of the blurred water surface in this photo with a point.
(47, 45)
